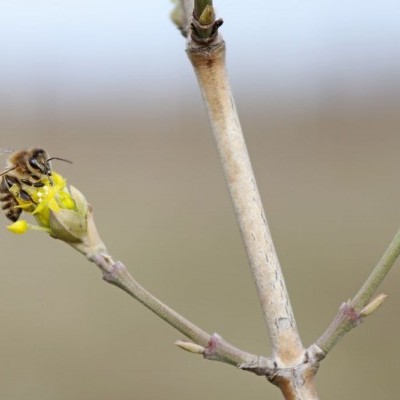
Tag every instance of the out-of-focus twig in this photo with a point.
(351, 313)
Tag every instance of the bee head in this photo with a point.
(39, 161)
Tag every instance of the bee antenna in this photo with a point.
(7, 171)
(58, 158)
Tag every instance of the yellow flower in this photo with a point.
(51, 198)
(60, 211)
(53, 207)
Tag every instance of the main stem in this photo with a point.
(210, 69)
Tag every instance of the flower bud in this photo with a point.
(190, 347)
(373, 305)
(67, 225)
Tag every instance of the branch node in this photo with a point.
(211, 350)
(350, 313)
(261, 366)
(103, 261)
(315, 353)
(205, 35)
(112, 275)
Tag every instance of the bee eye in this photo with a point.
(34, 164)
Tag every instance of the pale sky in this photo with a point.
(290, 46)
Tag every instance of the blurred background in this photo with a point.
(107, 84)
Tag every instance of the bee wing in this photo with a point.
(6, 170)
(6, 150)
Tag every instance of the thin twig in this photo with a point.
(215, 347)
(350, 314)
(296, 381)
(377, 275)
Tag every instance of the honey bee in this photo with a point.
(26, 169)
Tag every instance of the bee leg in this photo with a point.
(34, 184)
(25, 196)
(38, 184)
(9, 180)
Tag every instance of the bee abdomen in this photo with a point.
(13, 213)
(5, 196)
(9, 207)
(8, 201)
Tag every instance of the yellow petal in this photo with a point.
(19, 227)
(53, 205)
